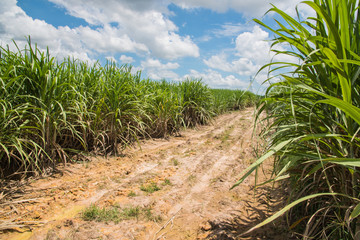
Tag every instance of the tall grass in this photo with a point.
(314, 117)
(52, 110)
(228, 100)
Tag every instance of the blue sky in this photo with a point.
(165, 39)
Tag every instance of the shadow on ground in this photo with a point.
(265, 203)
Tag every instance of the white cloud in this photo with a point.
(241, 66)
(219, 62)
(252, 45)
(215, 79)
(251, 52)
(111, 59)
(79, 42)
(142, 25)
(204, 38)
(157, 70)
(16, 25)
(116, 27)
(126, 59)
(108, 39)
(155, 63)
(230, 29)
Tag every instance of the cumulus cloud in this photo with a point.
(108, 39)
(241, 66)
(143, 28)
(126, 59)
(155, 63)
(81, 42)
(230, 29)
(251, 52)
(157, 70)
(214, 79)
(62, 40)
(143, 23)
(114, 27)
(111, 59)
(252, 45)
(140, 26)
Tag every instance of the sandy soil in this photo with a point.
(194, 172)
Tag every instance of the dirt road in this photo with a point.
(176, 188)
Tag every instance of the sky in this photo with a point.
(214, 40)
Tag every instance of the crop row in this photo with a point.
(51, 111)
(313, 110)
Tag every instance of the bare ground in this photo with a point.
(194, 172)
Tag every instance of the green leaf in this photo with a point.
(287, 208)
(348, 108)
(345, 84)
(351, 162)
(355, 213)
(254, 166)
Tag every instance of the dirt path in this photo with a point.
(193, 173)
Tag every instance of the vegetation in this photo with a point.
(52, 110)
(150, 188)
(131, 194)
(95, 213)
(166, 182)
(116, 214)
(314, 117)
(228, 100)
(175, 162)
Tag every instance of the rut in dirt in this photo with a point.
(192, 174)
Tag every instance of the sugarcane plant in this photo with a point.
(312, 105)
(53, 110)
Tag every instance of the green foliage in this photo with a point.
(228, 100)
(95, 213)
(167, 182)
(314, 117)
(150, 188)
(196, 100)
(131, 194)
(51, 110)
(116, 214)
(175, 162)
